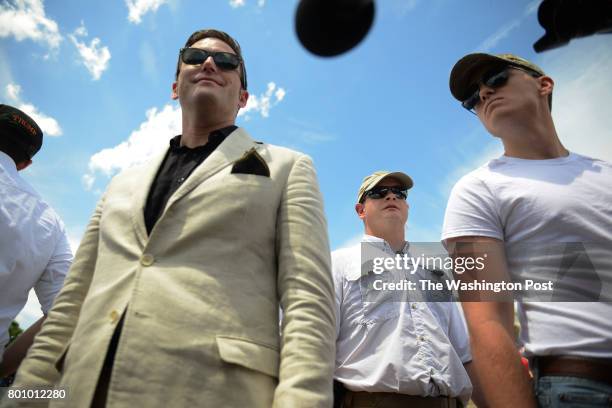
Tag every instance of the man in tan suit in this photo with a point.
(174, 294)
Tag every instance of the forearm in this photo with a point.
(18, 349)
(497, 374)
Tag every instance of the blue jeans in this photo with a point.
(572, 392)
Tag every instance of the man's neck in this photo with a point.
(394, 237)
(197, 125)
(533, 140)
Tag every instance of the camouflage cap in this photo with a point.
(470, 69)
(373, 179)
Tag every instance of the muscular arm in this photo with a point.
(16, 352)
(496, 371)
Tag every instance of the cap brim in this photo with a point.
(469, 69)
(403, 178)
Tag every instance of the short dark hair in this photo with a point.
(223, 36)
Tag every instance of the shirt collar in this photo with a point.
(215, 138)
(386, 246)
(8, 164)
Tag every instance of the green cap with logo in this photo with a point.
(470, 69)
(373, 179)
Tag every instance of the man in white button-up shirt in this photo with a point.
(393, 353)
(34, 249)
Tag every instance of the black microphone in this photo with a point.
(564, 20)
(331, 27)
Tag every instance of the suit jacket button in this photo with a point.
(114, 316)
(147, 259)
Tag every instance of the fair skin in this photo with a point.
(386, 217)
(209, 96)
(518, 114)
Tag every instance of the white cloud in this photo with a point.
(490, 42)
(581, 99)
(138, 8)
(94, 56)
(151, 137)
(262, 103)
(242, 3)
(12, 92)
(26, 19)
(49, 125)
(30, 313)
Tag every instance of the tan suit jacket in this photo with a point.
(201, 294)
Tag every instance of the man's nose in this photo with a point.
(390, 195)
(209, 63)
(485, 92)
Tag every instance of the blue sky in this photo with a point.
(97, 76)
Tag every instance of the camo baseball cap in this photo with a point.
(373, 179)
(472, 67)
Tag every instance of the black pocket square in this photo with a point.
(251, 163)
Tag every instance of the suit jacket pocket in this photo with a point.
(246, 353)
(59, 363)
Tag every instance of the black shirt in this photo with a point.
(179, 163)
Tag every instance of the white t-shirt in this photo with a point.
(34, 249)
(414, 348)
(540, 204)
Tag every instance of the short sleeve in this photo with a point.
(471, 211)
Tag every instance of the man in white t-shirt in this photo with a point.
(540, 210)
(34, 249)
(392, 349)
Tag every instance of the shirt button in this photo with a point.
(181, 179)
(431, 371)
(147, 259)
(414, 306)
(422, 338)
(114, 316)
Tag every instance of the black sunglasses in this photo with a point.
(381, 192)
(224, 60)
(493, 80)
(196, 56)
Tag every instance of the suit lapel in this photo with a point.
(235, 146)
(142, 186)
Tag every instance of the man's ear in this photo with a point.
(22, 165)
(175, 94)
(360, 210)
(243, 98)
(546, 85)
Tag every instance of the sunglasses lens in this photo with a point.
(193, 56)
(472, 101)
(497, 80)
(378, 193)
(226, 61)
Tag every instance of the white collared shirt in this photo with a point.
(34, 249)
(414, 348)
